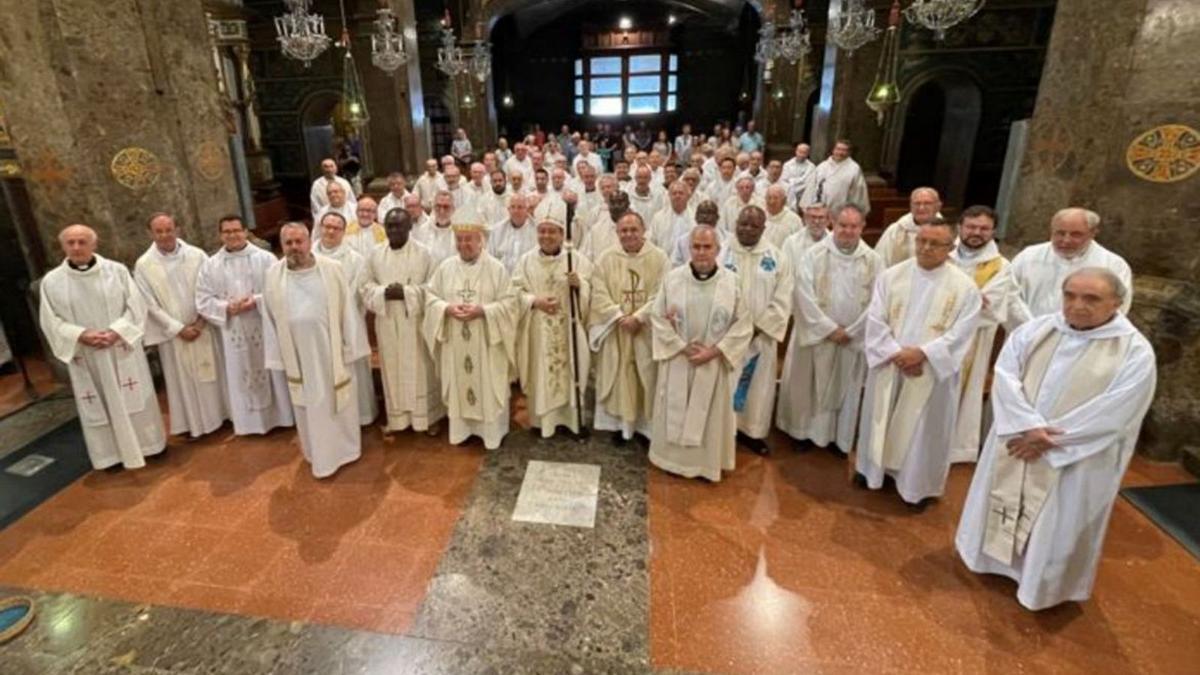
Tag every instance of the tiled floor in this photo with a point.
(239, 525)
(14, 395)
(784, 567)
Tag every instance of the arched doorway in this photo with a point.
(316, 127)
(933, 142)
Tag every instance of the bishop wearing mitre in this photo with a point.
(469, 330)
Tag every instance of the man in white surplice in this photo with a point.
(821, 385)
(701, 333)
(332, 244)
(514, 236)
(919, 324)
(395, 292)
(1069, 395)
(468, 328)
(318, 195)
(765, 288)
(337, 202)
(676, 219)
(364, 233)
(228, 295)
(552, 353)
(312, 332)
(437, 235)
(837, 180)
(92, 314)
(187, 346)
(814, 228)
(625, 280)
(782, 222)
(795, 173)
(976, 253)
(898, 241)
(1039, 269)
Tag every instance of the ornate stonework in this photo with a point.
(1165, 154)
(211, 160)
(136, 168)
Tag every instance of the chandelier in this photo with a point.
(853, 26)
(885, 92)
(387, 43)
(790, 41)
(454, 60)
(301, 35)
(941, 15)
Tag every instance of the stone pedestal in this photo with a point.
(114, 113)
(1108, 134)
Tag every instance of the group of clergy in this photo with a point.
(643, 310)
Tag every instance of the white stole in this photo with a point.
(199, 355)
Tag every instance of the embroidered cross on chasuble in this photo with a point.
(633, 297)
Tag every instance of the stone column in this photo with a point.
(115, 113)
(842, 111)
(1115, 130)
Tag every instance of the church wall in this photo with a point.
(114, 113)
(1115, 71)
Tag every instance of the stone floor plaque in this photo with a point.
(29, 465)
(558, 493)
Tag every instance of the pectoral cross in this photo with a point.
(129, 383)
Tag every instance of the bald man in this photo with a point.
(898, 241)
(93, 316)
(318, 196)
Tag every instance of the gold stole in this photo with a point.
(276, 296)
(1019, 489)
(198, 357)
(984, 272)
(890, 433)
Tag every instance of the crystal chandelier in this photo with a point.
(387, 43)
(301, 35)
(853, 26)
(451, 59)
(481, 61)
(941, 15)
(885, 92)
(790, 41)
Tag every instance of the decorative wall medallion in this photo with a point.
(136, 168)
(9, 168)
(1165, 154)
(46, 169)
(211, 160)
(1050, 150)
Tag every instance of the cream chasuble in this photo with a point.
(549, 346)
(898, 241)
(193, 371)
(411, 391)
(695, 427)
(313, 334)
(113, 390)
(908, 422)
(993, 278)
(258, 398)
(624, 284)
(1042, 523)
(473, 356)
(765, 283)
(821, 386)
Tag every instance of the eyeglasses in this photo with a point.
(925, 243)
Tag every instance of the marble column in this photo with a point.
(114, 113)
(1115, 130)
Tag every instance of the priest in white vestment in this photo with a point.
(92, 315)
(333, 244)
(492, 204)
(437, 235)
(765, 287)
(318, 195)
(796, 171)
(229, 296)
(742, 197)
(919, 325)
(782, 222)
(676, 219)
(338, 202)
(836, 181)
(644, 197)
(820, 389)
(469, 329)
(428, 184)
(722, 186)
(814, 228)
(553, 359)
(701, 333)
(1069, 395)
(1039, 269)
(364, 233)
(975, 252)
(513, 237)
(188, 347)
(602, 230)
(313, 334)
(898, 241)
(394, 291)
(625, 280)
(707, 213)
(397, 191)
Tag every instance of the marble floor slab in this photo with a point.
(558, 493)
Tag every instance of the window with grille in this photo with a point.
(626, 84)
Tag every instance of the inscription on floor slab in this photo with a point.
(558, 493)
(29, 466)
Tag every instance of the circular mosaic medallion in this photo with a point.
(136, 168)
(1165, 154)
(210, 160)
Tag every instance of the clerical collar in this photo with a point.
(551, 255)
(703, 276)
(967, 253)
(441, 226)
(237, 250)
(846, 250)
(84, 267)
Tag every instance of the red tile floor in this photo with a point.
(13, 392)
